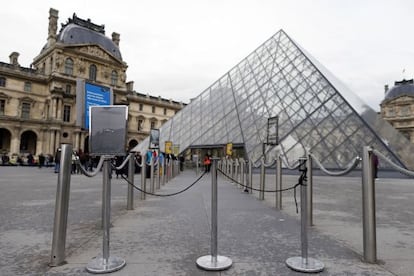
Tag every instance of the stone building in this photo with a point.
(38, 104)
(398, 107)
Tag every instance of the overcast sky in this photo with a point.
(177, 48)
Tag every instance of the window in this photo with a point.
(152, 124)
(391, 112)
(92, 72)
(405, 110)
(27, 86)
(68, 89)
(153, 109)
(2, 81)
(141, 107)
(114, 77)
(165, 111)
(140, 124)
(69, 66)
(2, 106)
(25, 110)
(66, 113)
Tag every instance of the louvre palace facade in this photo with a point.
(38, 104)
(398, 107)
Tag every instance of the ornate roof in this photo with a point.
(401, 88)
(78, 31)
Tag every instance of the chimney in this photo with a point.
(385, 89)
(115, 38)
(53, 18)
(14, 58)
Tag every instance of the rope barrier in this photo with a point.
(259, 190)
(138, 164)
(353, 164)
(254, 164)
(269, 164)
(295, 166)
(93, 173)
(302, 178)
(162, 195)
(123, 163)
(392, 164)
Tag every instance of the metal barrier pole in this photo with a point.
(131, 172)
(242, 164)
(152, 180)
(304, 263)
(143, 176)
(214, 261)
(61, 207)
(163, 171)
(106, 263)
(197, 165)
(157, 171)
(236, 171)
(172, 169)
(278, 199)
(368, 207)
(309, 194)
(262, 180)
(231, 168)
(251, 176)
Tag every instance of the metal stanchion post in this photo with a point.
(61, 207)
(106, 263)
(304, 263)
(231, 168)
(214, 261)
(157, 171)
(131, 172)
(197, 165)
(143, 176)
(279, 182)
(368, 207)
(242, 164)
(163, 171)
(309, 194)
(262, 179)
(251, 175)
(236, 171)
(152, 180)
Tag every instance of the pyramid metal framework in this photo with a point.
(314, 109)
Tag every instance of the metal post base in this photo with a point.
(218, 263)
(308, 265)
(99, 266)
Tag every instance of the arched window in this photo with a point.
(69, 66)
(92, 72)
(114, 77)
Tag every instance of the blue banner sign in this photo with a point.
(95, 95)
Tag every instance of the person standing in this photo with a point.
(375, 164)
(57, 160)
(41, 160)
(207, 163)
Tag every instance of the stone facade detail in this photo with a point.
(38, 104)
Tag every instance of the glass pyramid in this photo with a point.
(315, 110)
